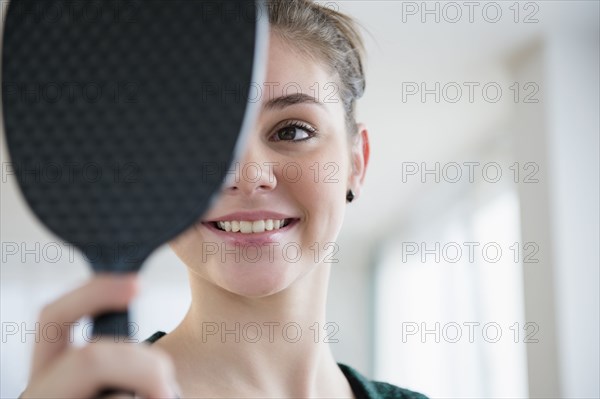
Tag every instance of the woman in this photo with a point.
(257, 261)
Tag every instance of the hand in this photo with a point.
(60, 370)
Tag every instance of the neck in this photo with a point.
(268, 346)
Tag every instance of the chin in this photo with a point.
(256, 280)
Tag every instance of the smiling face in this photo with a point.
(297, 165)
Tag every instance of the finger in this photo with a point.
(84, 372)
(105, 292)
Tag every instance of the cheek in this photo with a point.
(191, 248)
(321, 193)
(188, 247)
(318, 181)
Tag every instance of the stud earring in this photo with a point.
(349, 196)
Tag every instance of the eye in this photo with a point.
(293, 131)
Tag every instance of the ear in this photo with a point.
(359, 154)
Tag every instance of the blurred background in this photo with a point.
(469, 266)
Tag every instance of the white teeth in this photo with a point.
(269, 224)
(248, 227)
(258, 226)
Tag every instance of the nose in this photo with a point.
(250, 176)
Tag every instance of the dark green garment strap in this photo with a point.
(364, 388)
(155, 337)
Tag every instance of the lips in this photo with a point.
(260, 238)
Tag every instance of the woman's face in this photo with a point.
(297, 166)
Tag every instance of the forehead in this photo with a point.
(289, 71)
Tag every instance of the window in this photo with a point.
(448, 295)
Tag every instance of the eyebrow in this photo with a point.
(292, 99)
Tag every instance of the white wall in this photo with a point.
(572, 70)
